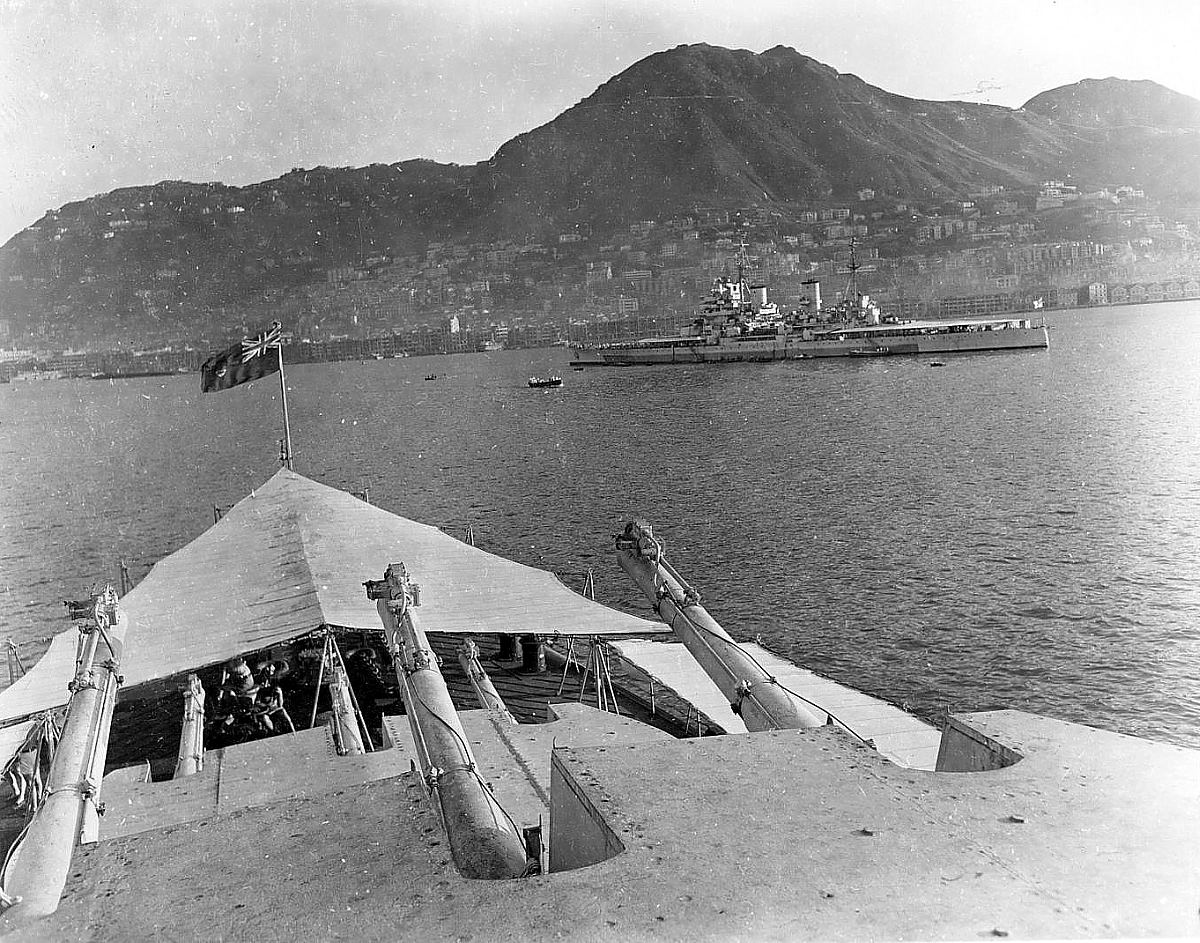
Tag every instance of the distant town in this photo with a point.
(985, 252)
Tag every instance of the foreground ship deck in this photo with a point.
(1021, 826)
(776, 836)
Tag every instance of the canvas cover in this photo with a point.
(291, 557)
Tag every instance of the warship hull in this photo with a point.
(859, 342)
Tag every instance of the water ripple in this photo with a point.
(1015, 531)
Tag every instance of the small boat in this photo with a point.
(539, 382)
(873, 352)
(432, 376)
(129, 374)
(937, 363)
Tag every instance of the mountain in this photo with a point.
(1116, 129)
(694, 125)
(705, 124)
(1117, 104)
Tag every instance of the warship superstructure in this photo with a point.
(737, 322)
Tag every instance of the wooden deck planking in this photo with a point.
(526, 694)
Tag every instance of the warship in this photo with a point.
(738, 323)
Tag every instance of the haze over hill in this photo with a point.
(692, 126)
(700, 123)
(1117, 104)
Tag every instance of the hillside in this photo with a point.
(705, 124)
(1131, 129)
(691, 126)
(1117, 104)
(702, 124)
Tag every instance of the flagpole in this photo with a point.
(287, 426)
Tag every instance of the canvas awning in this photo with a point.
(292, 557)
(672, 665)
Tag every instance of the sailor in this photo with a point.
(238, 683)
(270, 700)
(272, 670)
(232, 713)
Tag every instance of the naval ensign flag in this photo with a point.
(247, 360)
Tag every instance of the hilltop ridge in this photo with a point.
(703, 123)
(1117, 103)
(695, 126)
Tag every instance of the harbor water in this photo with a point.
(1004, 530)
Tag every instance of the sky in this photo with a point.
(99, 94)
